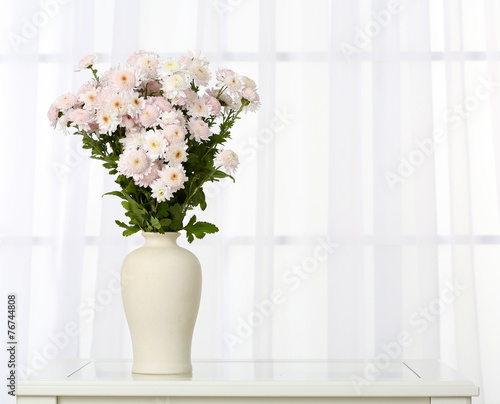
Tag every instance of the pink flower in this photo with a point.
(86, 62)
(53, 114)
(174, 133)
(199, 130)
(214, 104)
(80, 117)
(134, 163)
(153, 175)
(228, 159)
(162, 104)
(123, 79)
(174, 177)
(251, 95)
(149, 116)
(66, 101)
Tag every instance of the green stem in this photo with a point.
(185, 204)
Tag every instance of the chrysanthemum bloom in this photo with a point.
(175, 85)
(194, 57)
(134, 163)
(248, 82)
(154, 144)
(108, 121)
(133, 140)
(189, 97)
(200, 74)
(214, 103)
(228, 159)
(162, 104)
(66, 101)
(123, 79)
(81, 117)
(252, 97)
(53, 114)
(147, 61)
(199, 130)
(149, 116)
(176, 153)
(171, 117)
(89, 98)
(170, 67)
(86, 62)
(135, 104)
(160, 191)
(230, 79)
(118, 104)
(174, 177)
(174, 133)
(199, 108)
(148, 179)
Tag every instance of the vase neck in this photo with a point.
(161, 240)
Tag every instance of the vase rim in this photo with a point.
(168, 233)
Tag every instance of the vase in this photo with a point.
(161, 290)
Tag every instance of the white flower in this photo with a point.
(171, 66)
(228, 159)
(154, 144)
(248, 82)
(86, 62)
(133, 140)
(175, 85)
(173, 176)
(134, 163)
(160, 191)
(108, 121)
(149, 62)
(176, 153)
(171, 117)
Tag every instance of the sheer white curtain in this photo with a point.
(364, 222)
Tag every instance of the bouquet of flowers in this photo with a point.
(161, 129)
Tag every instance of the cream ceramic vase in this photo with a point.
(161, 290)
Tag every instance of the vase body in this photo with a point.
(161, 290)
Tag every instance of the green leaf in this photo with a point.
(177, 217)
(130, 231)
(199, 229)
(119, 194)
(199, 199)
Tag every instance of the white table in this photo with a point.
(223, 382)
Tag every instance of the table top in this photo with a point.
(414, 378)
